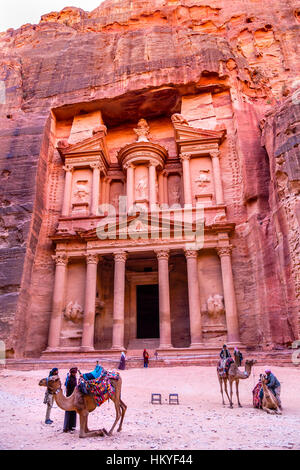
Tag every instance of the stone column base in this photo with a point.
(164, 347)
(87, 349)
(196, 345)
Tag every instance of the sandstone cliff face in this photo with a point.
(245, 52)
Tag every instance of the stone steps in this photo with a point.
(135, 360)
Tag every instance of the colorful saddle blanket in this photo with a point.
(257, 395)
(101, 389)
(223, 366)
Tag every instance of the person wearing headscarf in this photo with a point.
(274, 385)
(146, 358)
(48, 399)
(122, 363)
(70, 384)
(224, 354)
(238, 357)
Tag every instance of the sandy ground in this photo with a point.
(200, 421)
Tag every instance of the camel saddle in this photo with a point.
(223, 366)
(101, 388)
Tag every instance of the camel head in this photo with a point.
(250, 362)
(264, 378)
(52, 383)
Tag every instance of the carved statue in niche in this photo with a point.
(203, 179)
(175, 195)
(100, 304)
(142, 131)
(179, 119)
(73, 312)
(215, 305)
(81, 192)
(141, 188)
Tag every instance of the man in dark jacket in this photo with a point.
(224, 354)
(274, 385)
(70, 384)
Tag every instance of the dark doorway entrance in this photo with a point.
(147, 311)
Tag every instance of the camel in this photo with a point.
(85, 404)
(234, 375)
(269, 401)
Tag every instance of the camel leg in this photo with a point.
(124, 408)
(84, 432)
(237, 393)
(231, 392)
(271, 412)
(118, 415)
(221, 389)
(226, 391)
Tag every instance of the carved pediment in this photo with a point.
(184, 132)
(90, 146)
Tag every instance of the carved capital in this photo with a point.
(128, 165)
(215, 153)
(224, 251)
(185, 156)
(68, 168)
(60, 259)
(191, 253)
(96, 166)
(153, 163)
(92, 258)
(162, 254)
(120, 257)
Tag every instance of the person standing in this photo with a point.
(146, 358)
(70, 384)
(49, 399)
(122, 363)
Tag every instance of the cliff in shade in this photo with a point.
(137, 59)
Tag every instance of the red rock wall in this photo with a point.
(245, 51)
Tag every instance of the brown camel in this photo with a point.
(234, 375)
(269, 401)
(85, 404)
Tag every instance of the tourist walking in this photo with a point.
(146, 358)
(70, 384)
(49, 399)
(122, 363)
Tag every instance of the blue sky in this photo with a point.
(15, 13)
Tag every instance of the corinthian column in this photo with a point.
(152, 186)
(95, 187)
(185, 159)
(164, 299)
(129, 185)
(87, 342)
(217, 177)
(119, 297)
(194, 298)
(61, 261)
(67, 190)
(229, 295)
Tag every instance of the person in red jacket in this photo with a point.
(146, 358)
